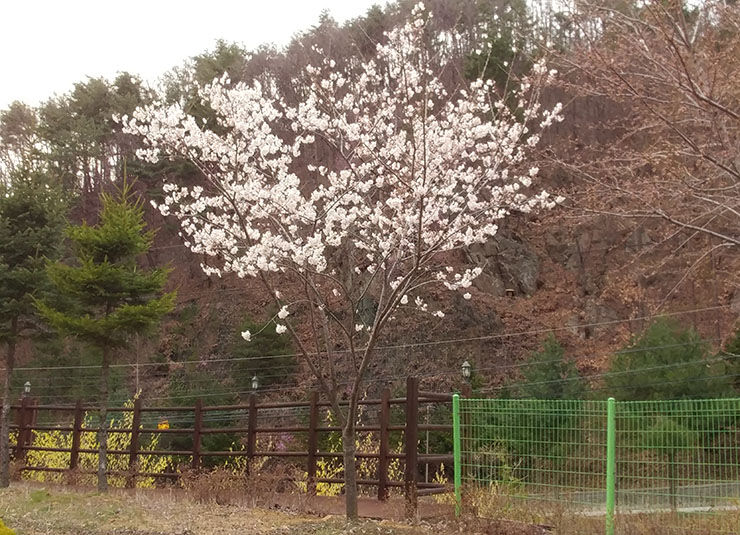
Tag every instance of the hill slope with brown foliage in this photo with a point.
(594, 271)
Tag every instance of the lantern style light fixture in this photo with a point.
(467, 370)
(255, 383)
(26, 388)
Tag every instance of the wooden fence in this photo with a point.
(27, 417)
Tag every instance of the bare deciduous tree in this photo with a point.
(673, 72)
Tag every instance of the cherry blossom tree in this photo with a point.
(417, 171)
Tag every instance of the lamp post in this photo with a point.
(26, 389)
(467, 372)
(255, 384)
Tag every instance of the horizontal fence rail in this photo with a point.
(262, 431)
(673, 466)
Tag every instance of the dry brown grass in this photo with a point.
(224, 487)
(32, 509)
(215, 503)
(499, 513)
(707, 522)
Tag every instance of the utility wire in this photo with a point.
(93, 380)
(490, 389)
(431, 343)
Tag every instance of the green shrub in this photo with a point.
(548, 375)
(188, 384)
(666, 362)
(731, 357)
(529, 439)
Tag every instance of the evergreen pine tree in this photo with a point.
(113, 299)
(731, 356)
(31, 225)
(269, 357)
(540, 432)
(666, 362)
(548, 375)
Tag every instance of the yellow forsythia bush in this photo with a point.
(331, 468)
(4, 530)
(89, 461)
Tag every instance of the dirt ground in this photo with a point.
(54, 510)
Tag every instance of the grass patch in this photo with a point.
(30, 509)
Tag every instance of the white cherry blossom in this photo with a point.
(414, 172)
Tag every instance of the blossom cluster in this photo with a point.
(420, 171)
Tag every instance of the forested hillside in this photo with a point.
(646, 157)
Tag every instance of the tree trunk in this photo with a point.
(4, 417)
(350, 470)
(103, 426)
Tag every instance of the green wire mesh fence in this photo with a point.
(673, 466)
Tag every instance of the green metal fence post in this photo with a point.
(611, 464)
(456, 450)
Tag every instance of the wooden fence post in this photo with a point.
(198, 424)
(251, 431)
(34, 419)
(385, 420)
(412, 445)
(313, 443)
(133, 452)
(24, 424)
(19, 426)
(74, 453)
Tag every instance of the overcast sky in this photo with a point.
(48, 45)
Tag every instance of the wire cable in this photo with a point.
(93, 381)
(430, 343)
